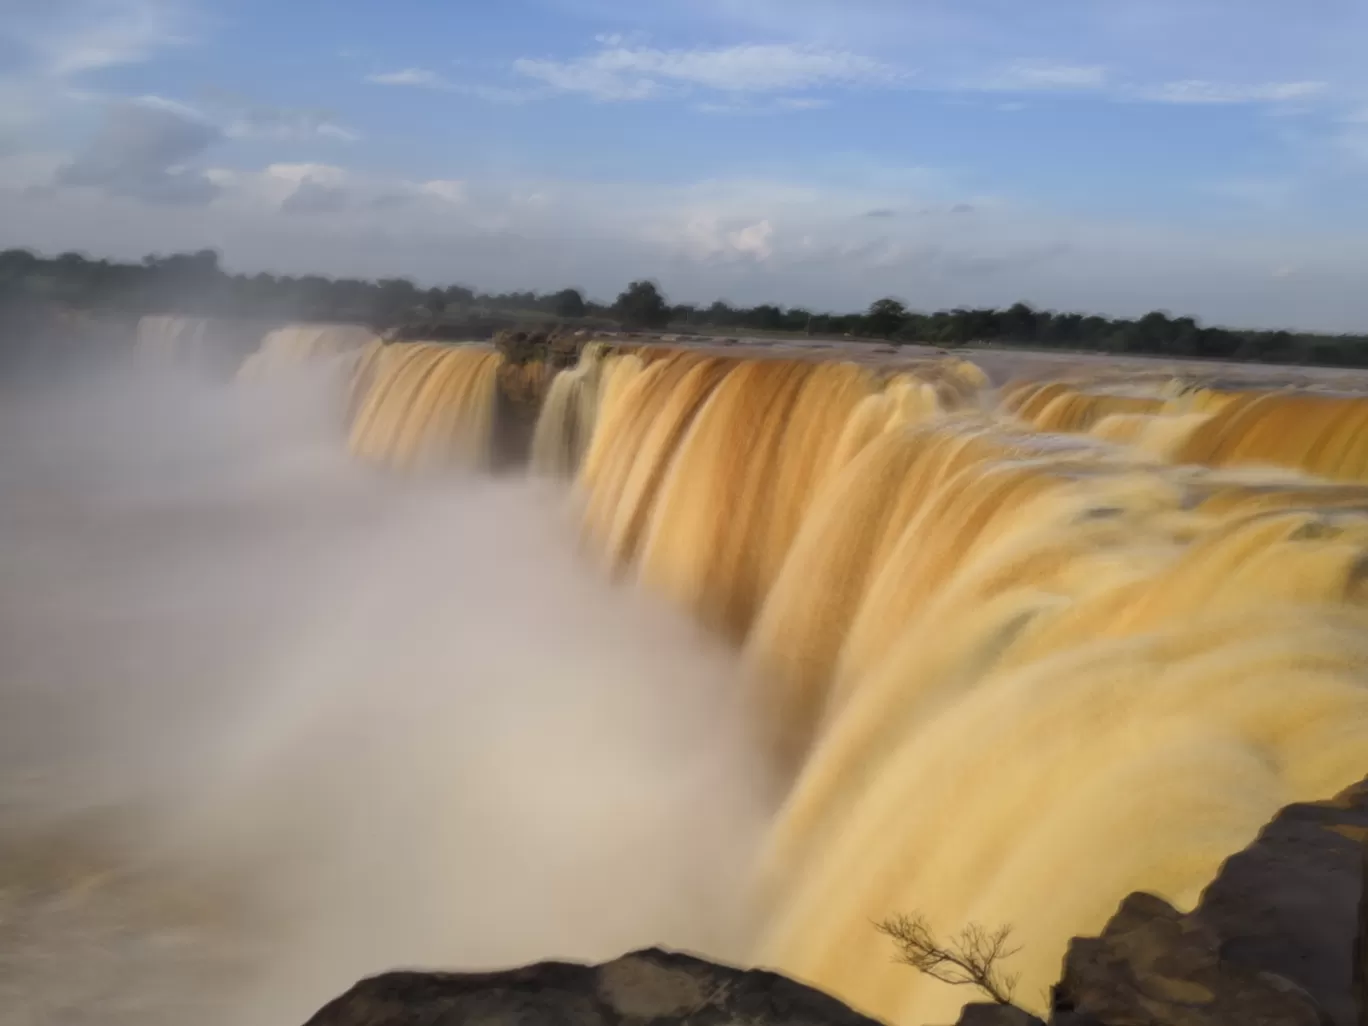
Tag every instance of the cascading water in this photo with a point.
(206, 345)
(299, 345)
(996, 657)
(428, 404)
(169, 339)
(1014, 675)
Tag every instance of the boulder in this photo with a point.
(1153, 966)
(1293, 903)
(648, 988)
(1277, 938)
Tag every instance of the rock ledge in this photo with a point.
(646, 988)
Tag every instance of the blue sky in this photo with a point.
(1202, 156)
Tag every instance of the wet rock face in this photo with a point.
(1154, 966)
(1278, 937)
(1293, 903)
(649, 988)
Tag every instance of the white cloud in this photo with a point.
(318, 188)
(619, 39)
(50, 45)
(325, 174)
(446, 190)
(710, 238)
(285, 123)
(620, 73)
(1144, 41)
(425, 78)
(747, 106)
(753, 240)
(143, 151)
(1031, 76)
(292, 188)
(68, 37)
(311, 197)
(183, 110)
(775, 240)
(1199, 91)
(589, 76)
(420, 78)
(237, 118)
(779, 239)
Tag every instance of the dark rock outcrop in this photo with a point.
(1293, 903)
(997, 1015)
(648, 988)
(1277, 937)
(1153, 966)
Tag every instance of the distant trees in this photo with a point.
(197, 283)
(15, 262)
(459, 296)
(642, 306)
(1019, 321)
(568, 303)
(885, 317)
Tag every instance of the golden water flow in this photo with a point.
(1018, 653)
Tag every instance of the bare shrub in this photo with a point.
(972, 958)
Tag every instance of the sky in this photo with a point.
(1206, 157)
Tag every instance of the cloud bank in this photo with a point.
(140, 152)
(902, 173)
(757, 240)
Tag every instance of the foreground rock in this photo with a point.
(649, 988)
(1277, 940)
(1154, 965)
(1277, 937)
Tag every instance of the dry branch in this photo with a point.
(971, 959)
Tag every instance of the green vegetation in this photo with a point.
(642, 306)
(195, 283)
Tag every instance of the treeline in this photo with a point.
(1155, 334)
(195, 283)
